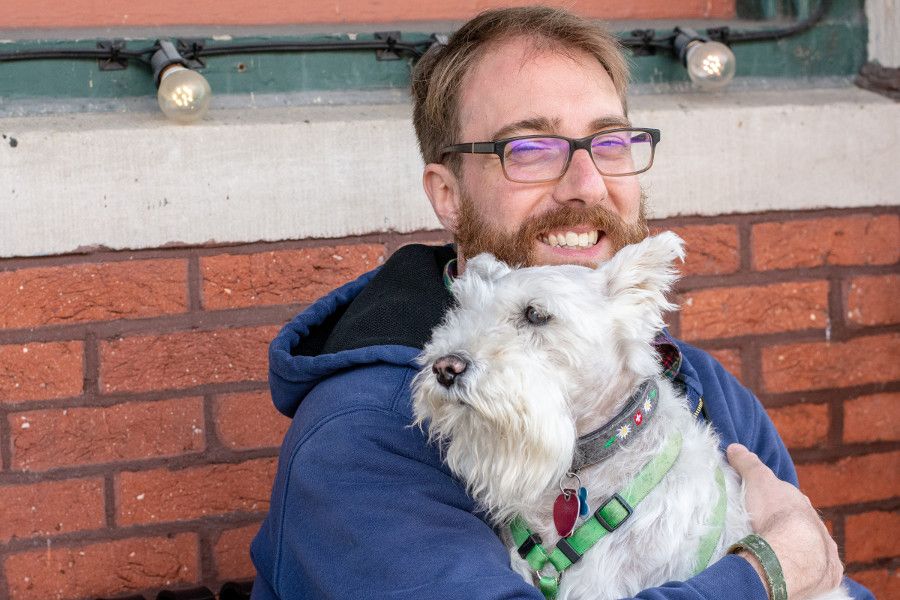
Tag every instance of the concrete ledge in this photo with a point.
(133, 180)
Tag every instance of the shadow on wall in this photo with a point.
(231, 590)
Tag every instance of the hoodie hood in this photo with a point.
(384, 316)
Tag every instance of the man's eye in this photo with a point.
(526, 146)
(536, 316)
(535, 152)
(610, 142)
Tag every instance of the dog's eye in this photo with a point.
(536, 316)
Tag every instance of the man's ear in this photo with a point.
(442, 189)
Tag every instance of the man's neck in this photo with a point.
(460, 262)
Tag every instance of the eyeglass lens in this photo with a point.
(542, 159)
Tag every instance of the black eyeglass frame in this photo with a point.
(497, 147)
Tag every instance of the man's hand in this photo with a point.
(782, 515)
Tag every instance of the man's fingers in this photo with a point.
(781, 514)
(742, 459)
(736, 450)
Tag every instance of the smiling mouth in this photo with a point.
(571, 239)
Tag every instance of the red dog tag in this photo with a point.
(565, 512)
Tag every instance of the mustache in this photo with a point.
(517, 248)
(597, 217)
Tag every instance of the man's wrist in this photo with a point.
(762, 558)
(754, 562)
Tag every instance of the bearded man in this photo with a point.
(521, 119)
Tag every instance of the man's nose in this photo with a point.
(448, 368)
(581, 182)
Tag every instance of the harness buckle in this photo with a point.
(568, 551)
(528, 545)
(548, 581)
(549, 586)
(610, 516)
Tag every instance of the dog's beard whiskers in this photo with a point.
(504, 478)
(507, 453)
(507, 473)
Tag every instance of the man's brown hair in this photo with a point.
(437, 77)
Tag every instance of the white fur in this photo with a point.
(509, 424)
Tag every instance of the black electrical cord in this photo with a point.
(414, 49)
(644, 41)
(726, 36)
(142, 55)
(641, 41)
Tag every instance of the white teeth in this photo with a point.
(571, 239)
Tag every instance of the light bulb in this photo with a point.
(710, 65)
(183, 94)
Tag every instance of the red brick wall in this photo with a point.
(138, 444)
(123, 13)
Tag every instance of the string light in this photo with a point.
(710, 65)
(183, 94)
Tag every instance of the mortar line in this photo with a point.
(6, 449)
(109, 500)
(4, 584)
(103, 255)
(751, 367)
(837, 325)
(91, 386)
(206, 555)
(836, 420)
(214, 445)
(745, 248)
(194, 282)
(838, 527)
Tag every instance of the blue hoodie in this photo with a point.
(363, 507)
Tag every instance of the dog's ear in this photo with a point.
(639, 275)
(486, 267)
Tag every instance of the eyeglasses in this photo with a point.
(540, 158)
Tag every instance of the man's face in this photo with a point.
(516, 89)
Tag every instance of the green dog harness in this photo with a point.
(606, 519)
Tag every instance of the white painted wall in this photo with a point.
(884, 32)
(133, 180)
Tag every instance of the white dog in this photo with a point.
(544, 381)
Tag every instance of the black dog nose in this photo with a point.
(448, 368)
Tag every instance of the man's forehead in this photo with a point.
(509, 90)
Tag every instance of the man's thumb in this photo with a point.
(742, 459)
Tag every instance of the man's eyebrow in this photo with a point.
(609, 122)
(544, 125)
(541, 124)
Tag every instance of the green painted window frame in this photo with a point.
(834, 48)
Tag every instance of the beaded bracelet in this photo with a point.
(763, 552)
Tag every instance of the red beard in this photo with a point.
(474, 236)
